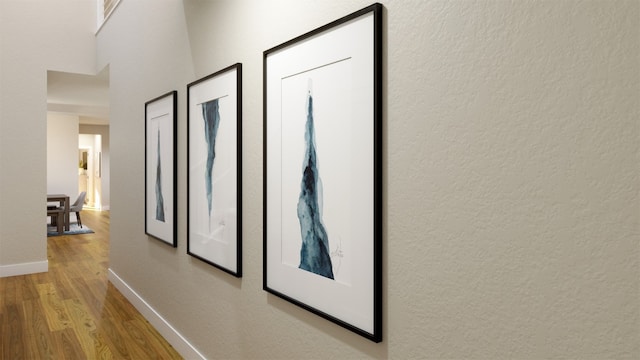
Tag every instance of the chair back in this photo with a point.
(79, 203)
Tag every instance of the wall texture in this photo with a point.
(32, 41)
(62, 155)
(511, 177)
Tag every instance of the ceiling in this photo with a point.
(86, 96)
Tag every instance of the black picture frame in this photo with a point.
(323, 171)
(214, 175)
(161, 178)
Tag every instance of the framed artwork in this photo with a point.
(214, 176)
(160, 168)
(323, 171)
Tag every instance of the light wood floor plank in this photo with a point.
(114, 335)
(13, 343)
(39, 338)
(83, 324)
(67, 344)
(54, 310)
(101, 348)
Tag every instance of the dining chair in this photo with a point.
(77, 206)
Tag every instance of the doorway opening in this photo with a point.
(78, 136)
(90, 169)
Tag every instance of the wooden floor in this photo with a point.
(72, 311)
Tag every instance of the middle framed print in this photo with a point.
(214, 175)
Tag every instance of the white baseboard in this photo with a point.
(164, 328)
(104, 208)
(24, 268)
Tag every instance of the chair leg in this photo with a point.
(79, 221)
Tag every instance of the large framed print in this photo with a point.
(214, 176)
(160, 168)
(322, 171)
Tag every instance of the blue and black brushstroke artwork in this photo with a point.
(211, 116)
(314, 253)
(159, 198)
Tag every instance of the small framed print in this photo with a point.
(214, 176)
(160, 168)
(323, 171)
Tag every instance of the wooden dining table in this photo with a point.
(63, 201)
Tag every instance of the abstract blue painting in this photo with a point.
(159, 197)
(211, 117)
(314, 254)
(317, 217)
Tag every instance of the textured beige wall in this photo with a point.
(511, 177)
(33, 41)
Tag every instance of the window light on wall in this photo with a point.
(105, 9)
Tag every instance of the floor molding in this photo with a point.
(168, 332)
(24, 268)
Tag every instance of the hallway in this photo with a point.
(72, 311)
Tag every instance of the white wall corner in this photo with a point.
(24, 268)
(164, 327)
